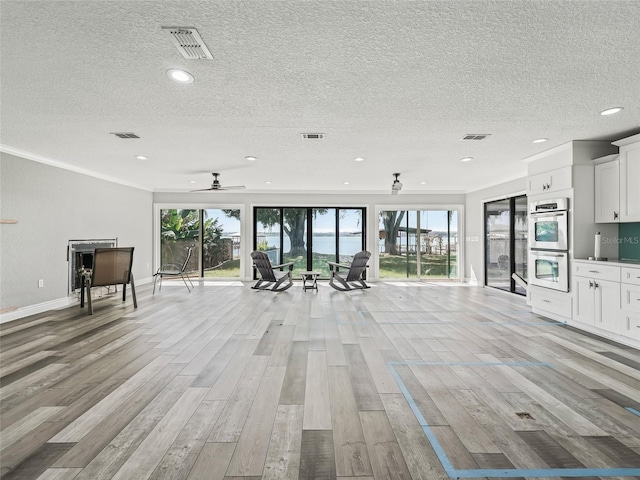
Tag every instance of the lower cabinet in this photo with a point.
(597, 303)
(631, 310)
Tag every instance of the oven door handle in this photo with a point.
(548, 214)
(543, 254)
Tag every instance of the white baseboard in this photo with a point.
(37, 308)
(50, 305)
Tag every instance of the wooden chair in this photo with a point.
(351, 279)
(268, 275)
(111, 266)
(174, 270)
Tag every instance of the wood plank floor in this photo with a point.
(401, 381)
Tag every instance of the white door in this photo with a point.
(607, 192)
(583, 305)
(608, 305)
(629, 181)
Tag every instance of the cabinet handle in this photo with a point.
(594, 271)
(547, 301)
(615, 215)
(595, 285)
(590, 284)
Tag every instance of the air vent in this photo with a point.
(189, 42)
(313, 136)
(475, 136)
(125, 135)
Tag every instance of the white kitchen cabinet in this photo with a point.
(630, 324)
(597, 297)
(630, 183)
(552, 181)
(629, 178)
(607, 191)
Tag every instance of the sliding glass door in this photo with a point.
(215, 233)
(418, 244)
(506, 243)
(309, 236)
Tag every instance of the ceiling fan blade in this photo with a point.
(233, 187)
(203, 190)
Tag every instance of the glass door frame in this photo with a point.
(157, 241)
(460, 246)
(512, 242)
(309, 229)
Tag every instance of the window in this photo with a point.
(215, 234)
(309, 236)
(417, 244)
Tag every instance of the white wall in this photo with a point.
(247, 201)
(474, 224)
(52, 206)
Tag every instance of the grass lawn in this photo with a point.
(433, 266)
(391, 266)
(230, 269)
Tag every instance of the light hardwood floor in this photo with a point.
(401, 381)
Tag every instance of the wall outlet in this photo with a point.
(40, 283)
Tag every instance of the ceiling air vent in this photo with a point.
(189, 42)
(313, 136)
(125, 135)
(475, 136)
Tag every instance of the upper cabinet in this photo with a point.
(607, 189)
(552, 181)
(617, 196)
(630, 179)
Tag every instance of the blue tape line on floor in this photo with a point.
(548, 472)
(497, 473)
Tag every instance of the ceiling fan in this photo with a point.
(396, 186)
(215, 185)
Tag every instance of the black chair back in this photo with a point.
(358, 265)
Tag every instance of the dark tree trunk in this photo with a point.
(295, 230)
(392, 221)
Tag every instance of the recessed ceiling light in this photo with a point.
(180, 76)
(466, 159)
(346, 183)
(423, 183)
(192, 181)
(611, 111)
(141, 157)
(268, 182)
(540, 140)
(250, 158)
(358, 159)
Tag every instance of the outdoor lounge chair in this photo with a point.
(174, 270)
(111, 266)
(352, 278)
(268, 275)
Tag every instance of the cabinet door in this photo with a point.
(607, 296)
(607, 192)
(584, 300)
(629, 181)
(631, 298)
(560, 179)
(538, 183)
(631, 325)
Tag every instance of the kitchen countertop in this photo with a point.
(616, 262)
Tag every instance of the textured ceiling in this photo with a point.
(398, 83)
